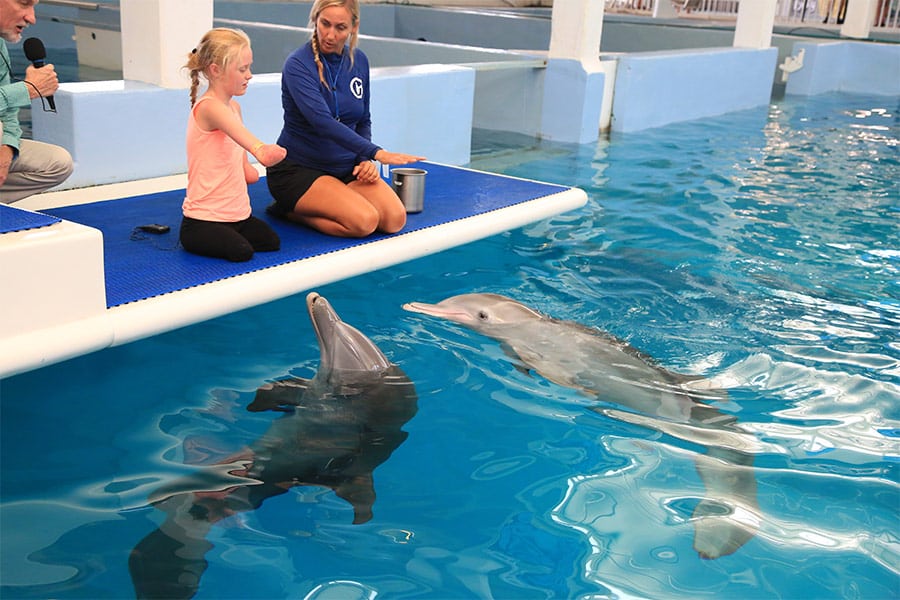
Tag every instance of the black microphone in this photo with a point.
(35, 52)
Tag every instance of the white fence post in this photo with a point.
(755, 21)
(157, 36)
(859, 19)
(574, 79)
(664, 9)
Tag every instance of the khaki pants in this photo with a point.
(39, 167)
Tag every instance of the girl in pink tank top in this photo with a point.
(217, 215)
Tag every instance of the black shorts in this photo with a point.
(288, 181)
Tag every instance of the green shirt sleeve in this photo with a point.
(13, 96)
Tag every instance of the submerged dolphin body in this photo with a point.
(339, 427)
(608, 368)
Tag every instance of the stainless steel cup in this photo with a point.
(410, 187)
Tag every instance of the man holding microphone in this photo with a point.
(26, 166)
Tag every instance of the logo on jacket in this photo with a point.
(356, 87)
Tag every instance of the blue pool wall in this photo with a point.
(658, 88)
(847, 67)
(572, 101)
(122, 131)
(521, 29)
(427, 96)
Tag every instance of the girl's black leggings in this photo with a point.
(233, 241)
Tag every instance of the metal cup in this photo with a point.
(409, 184)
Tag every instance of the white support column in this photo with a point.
(755, 22)
(575, 31)
(574, 80)
(859, 18)
(157, 36)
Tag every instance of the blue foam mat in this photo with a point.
(13, 219)
(141, 265)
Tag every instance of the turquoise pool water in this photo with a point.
(758, 249)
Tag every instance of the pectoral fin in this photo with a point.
(360, 493)
(717, 531)
(279, 395)
(729, 517)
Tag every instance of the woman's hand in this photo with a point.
(396, 158)
(366, 172)
(269, 154)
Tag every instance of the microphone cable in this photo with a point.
(15, 79)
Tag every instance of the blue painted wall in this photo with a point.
(481, 28)
(121, 131)
(847, 67)
(658, 88)
(509, 99)
(273, 43)
(573, 97)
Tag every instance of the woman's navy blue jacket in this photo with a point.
(326, 129)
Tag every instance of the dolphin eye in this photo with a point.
(482, 315)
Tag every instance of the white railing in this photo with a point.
(681, 7)
(630, 6)
(74, 4)
(888, 15)
(887, 12)
(787, 12)
(707, 7)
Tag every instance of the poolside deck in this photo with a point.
(85, 279)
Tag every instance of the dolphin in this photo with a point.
(632, 388)
(335, 430)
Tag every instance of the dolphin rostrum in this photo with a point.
(338, 427)
(621, 377)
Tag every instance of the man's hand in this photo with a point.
(6, 155)
(44, 79)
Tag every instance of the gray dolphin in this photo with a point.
(337, 428)
(608, 368)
